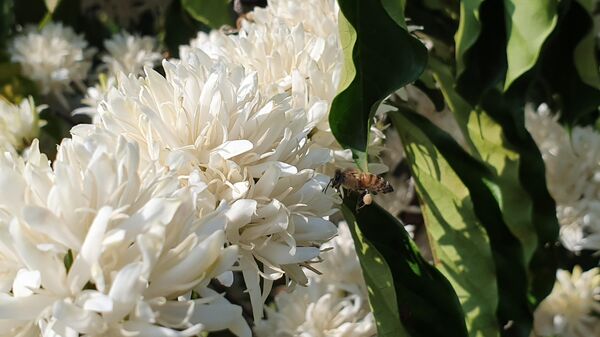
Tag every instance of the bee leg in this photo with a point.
(326, 187)
(360, 203)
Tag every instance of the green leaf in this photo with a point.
(514, 312)
(586, 62)
(459, 244)
(380, 283)
(385, 57)
(500, 41)
(498, 138)
(528, 25)
(569, 73)
(480, 48)
(179, 28)
(213, 13)
(527, 206)
(468, 31)
(486, 139)
(422, 294)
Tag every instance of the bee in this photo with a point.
(243, 8)
(367, 184)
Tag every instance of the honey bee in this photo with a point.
(367, 184)
(243, 9)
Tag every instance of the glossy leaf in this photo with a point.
(459, 243)
(585, 61)
(180, 27)
(568, 66)
(513, 313)
(385, 57)
(498, 138)
(423, 295)
(380, 283)
(213, 13)
(528, 25)
(480, 49)
(468, 31)
(500, 41)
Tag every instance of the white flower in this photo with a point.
(573, 176)
(334, 304)
(294, 47)
(208, 122)
(572, 309)
(19, 124)
(130, 53)
(340, 267)
(103, 247)
(306, 312)
(94, 96)
(53, 57)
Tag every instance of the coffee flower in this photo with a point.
(309, 312)
(130, 53)
(573, 176)
(572, 309)
(103, 247)
(294, 47)
(94, 96)
(19, 123)
(208, 121)
(334, 304)
(53, 57)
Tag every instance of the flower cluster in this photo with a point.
(53, 57)
(126, 54)
(19, 124)
(294, 47)
(184, 177)
(229, 121)
(129, 54)
(333, 304)
(573, 176)
(573, 307)
(99, 245)
(207, 121)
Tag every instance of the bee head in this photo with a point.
(336, 181)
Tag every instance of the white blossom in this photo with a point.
(308, 312)
(294, 47)
(98, 246)
(53, 57)
(207, 121)
(334, 304)
(130, 53)
(572, 309)
(94, 96)
(19, 123)
(573, 176)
